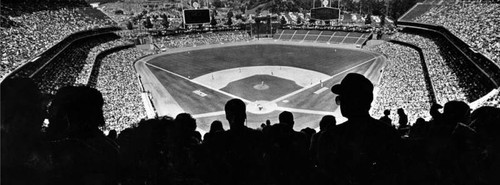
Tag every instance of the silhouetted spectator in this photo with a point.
(485, 120)
(25, 156)
(327, 122)
(186, 127)
(147, 153)
(112, 135)
(442, 144)
(361, 150)
(287, 152)
(403, 126)
(434, 112)
(81, 152)
(236, 155)
(419, 129)
(262, 126)
(308, 132)
(215, 127)
(386, 118)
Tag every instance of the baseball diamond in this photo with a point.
(269, 76)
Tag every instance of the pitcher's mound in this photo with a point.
(261, 87)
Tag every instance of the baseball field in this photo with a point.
(268, 76)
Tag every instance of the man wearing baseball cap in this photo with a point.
(361, 150)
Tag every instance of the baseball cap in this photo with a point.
(354, 84)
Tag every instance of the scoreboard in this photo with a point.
(325, 13)
(196, 16)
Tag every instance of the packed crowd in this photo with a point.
(65, 68)
(34, 31)
(84, 75)
(457, 146)
(402, 84)
(120, 87)
(131, 10)
(475, 23)
(453, 77)
(200, 39)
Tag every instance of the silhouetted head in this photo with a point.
(355, 94)
(21, 107)
(434, 112)
(456, 111)
(420, 121)
(309, 132)
(486, 121)
(286, 118)
(185, 122)
(235, 113)
(216, 126)
(327, 122)
(112, 134)
(75, 109)
(401, 111)
(387, 112)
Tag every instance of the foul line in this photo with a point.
(312, 85)
(216, 90)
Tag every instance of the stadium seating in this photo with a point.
(416, 11)
(320, 36)
(455, 145)
(35, 25)
(478, 32)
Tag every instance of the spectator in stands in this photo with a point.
(403, 122)
(485, 122)
(215, 127)
(361, 150)
(327, 122)
(434, 112)
(186, 127)
(386, 118)
(185, 146)
(308, 132)
(147, 152)
(286, 152)
(82, 154)
(441, 149)
(25, 155)
(237, 152)
(419, 129)
(112, 135)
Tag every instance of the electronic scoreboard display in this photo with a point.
(197, 16)
(325, 13)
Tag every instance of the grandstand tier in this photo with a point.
(323, 36)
